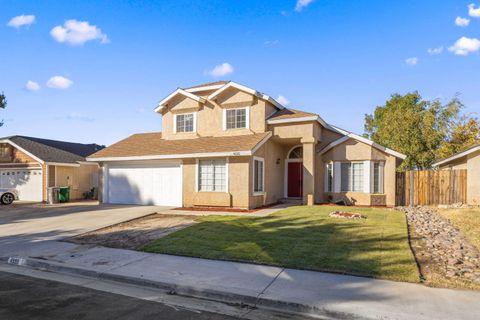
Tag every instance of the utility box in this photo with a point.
(53, 195)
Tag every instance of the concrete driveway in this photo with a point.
(24, 225)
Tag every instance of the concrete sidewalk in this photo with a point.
(321, 294)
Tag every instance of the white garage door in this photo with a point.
(159, 184)
(27, 182)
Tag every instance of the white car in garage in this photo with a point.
(7, 196)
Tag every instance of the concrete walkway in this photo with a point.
(322, 294)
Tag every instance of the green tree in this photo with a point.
(464, 134)
(3, 104)
(413, 126)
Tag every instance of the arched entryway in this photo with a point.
(294, 173)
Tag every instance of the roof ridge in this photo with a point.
(48, 147)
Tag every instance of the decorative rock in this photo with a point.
(444, 243)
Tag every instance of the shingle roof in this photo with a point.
(152, 144)
(290, 114)
(209, 84)
(55, 151)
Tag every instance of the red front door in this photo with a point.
(295, 179)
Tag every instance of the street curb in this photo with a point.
(183, 290)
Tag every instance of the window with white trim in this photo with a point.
(185, 122)
(258, 175)
(377, 177)
(236, 118)
(352, 177)
(329, 177)
(212, 175)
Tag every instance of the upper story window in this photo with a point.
(185, 122)
(236, 118)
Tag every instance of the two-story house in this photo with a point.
(227, 145)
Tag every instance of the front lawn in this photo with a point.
(467, 220)
(304, 238)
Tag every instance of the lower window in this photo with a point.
(352, 177)
(212, 175)
(258, 175)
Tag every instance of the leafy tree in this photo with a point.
(3, 104)
(464, 134)
(421, 129)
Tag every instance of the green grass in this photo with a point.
(304, 238)
(467, 220)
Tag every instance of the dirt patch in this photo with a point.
(136, 233)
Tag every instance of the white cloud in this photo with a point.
(302, 4)
(79, 116)
(271, 43)
(221, 70)
(76, 33)
(282, 100)
(22, 20)
(462, 22)
(464, 46)
(433, 51)
(59, 82)
(411, 61)
(472, 11)
(32, 86)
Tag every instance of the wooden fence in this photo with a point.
(431, 187)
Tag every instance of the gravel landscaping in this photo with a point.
(446, 258)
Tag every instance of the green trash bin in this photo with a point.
(64, 194)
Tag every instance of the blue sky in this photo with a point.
(339, 59)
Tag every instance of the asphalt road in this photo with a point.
(23, 297)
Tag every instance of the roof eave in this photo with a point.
(456, 156)
(181, 91)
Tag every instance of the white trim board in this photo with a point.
(457, 156)
(364, 140)
(205, 88)
(187, 94)
(62, 164)
(240, 87)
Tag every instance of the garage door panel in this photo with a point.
(157, 185)
(27, 182)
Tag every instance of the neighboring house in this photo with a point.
(470, 160)
(224, 144)
(31, 165)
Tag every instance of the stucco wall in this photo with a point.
(238, 185)
(210, 115)
(473, 178)
(353, 150)
(79, 179)
(274, 155)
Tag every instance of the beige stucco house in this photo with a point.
(469, 160)
(32, 165)
(227, 145)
